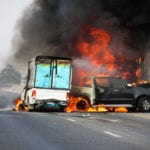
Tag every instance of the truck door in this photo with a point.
(102, 89)
(61, 74)
(111, 90)
(119, 92)
(43, 74)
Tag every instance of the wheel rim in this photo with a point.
(146, 104)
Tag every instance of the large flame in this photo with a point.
(96, 49)
(98, 57)
(99, 60)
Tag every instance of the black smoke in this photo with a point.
(133, 15)
(51, 27)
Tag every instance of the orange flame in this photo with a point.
(19, 105)
(76, 104)
(79, 104)
(99, 108)
(121, 109)
(98, 46)
(98, 56)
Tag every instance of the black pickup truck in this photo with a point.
(113, 92)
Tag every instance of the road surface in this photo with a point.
(74, 131)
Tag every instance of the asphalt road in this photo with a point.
(74, 131)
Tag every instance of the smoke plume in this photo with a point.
(50, 27)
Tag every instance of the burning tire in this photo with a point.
(82, 104)
(144, 104)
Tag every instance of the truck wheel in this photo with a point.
(31, 108)
(82, 104)
(144, 104)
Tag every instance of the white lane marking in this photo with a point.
(86, 115)
(113, 120)
(70, 119)
(112, 134)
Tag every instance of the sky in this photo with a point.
(10, 12)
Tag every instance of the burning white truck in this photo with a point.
(48, 83)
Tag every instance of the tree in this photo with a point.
(9, 76)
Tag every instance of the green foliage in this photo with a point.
(9, 76)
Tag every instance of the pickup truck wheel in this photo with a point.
(82, 104)
(144, 104)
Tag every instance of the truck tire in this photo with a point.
(144, 104)
(82, 104)
(31, 108)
